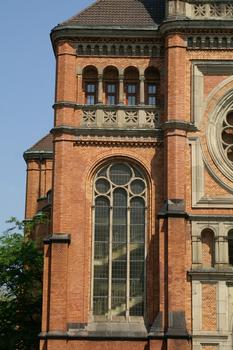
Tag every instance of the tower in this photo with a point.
(139, 253)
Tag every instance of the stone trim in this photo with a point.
(60, 238)
(210, 217)
(173, 208)
(142, 134)
(199, 69)
(178, 124)
(211, 276)
(68, 336)
(185, 25)
(210, 10)
(77, 106)
(199, 200)
(40, 155)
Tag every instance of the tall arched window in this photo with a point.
(120, 192)
(131, 79)
(111, 82)
(90, 79)
(152, 86)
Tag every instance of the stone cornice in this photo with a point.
(184, 25)
(74, 105)
(37, 155)
(104, 132)
(66, 32)
(61, 238)
(211, 275)
(179, 124)
(209, 217)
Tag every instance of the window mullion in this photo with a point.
(128, 260)
(110, 263)
(93, 257)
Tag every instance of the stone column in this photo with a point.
(142, 90)
(100, 89)
(121, 90)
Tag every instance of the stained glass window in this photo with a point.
(119, 241)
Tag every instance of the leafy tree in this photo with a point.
(20, 289)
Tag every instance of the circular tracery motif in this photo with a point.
(219, 136)
(227, 136)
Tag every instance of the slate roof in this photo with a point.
(43, 145)
(127, 13)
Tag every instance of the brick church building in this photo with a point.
(136, 176)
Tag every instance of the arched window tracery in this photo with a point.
(120, 197)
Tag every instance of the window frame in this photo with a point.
(131, 94)
(111, 94)
(109, 316)
(151, 95)
(91, 94)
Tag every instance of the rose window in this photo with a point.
(227, 136)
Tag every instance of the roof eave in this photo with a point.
(37, 155)
(184, 24)
(67, 32)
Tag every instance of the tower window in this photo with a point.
(90, 93)
(131, 94)
(111, 85)
(151, 94)
(152, 86)
(90, 85)
(111, 94)
(131, 83)
(119, 241)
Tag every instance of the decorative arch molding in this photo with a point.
(114, 180)
(105, 159)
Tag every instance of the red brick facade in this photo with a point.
(177, 146)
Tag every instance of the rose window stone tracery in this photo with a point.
(227, 136)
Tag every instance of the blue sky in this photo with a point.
(27, 67)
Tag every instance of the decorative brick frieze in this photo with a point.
(119, 49)
(210, 41)
(118, 142)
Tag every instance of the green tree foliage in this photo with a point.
(20, 290)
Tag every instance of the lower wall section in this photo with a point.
(93, 345)
(152, 344)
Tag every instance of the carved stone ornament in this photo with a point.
(89, 117)
(212, 10)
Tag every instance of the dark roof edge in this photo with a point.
(184, 24)
(37, 155)
(175, 24)
(71, 31)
